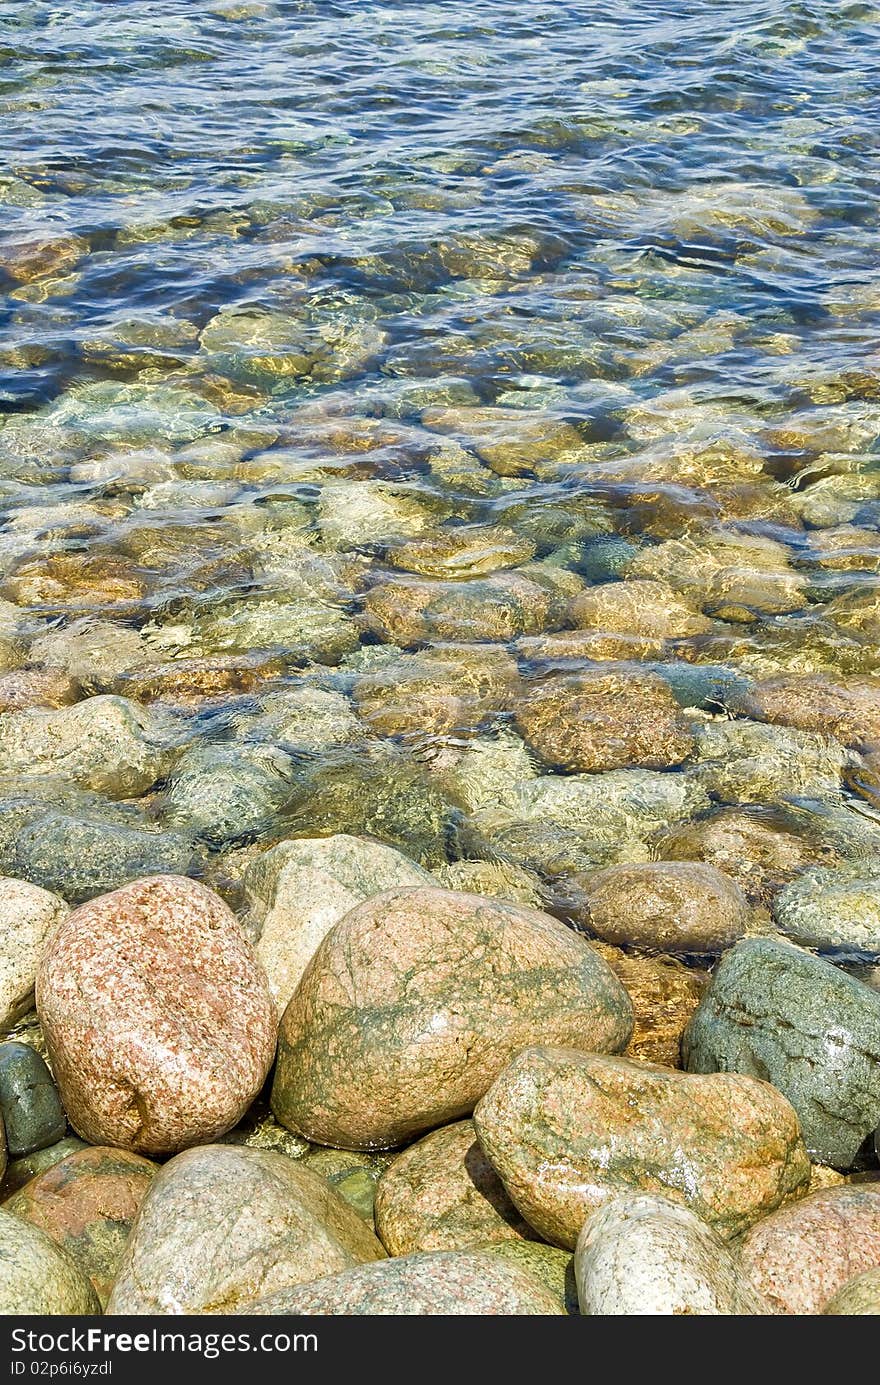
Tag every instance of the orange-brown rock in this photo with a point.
(601, 719)
(36, 687)
(443, 1194)
(500, 607)
(567, 1131)
(666, 906)
(849, 710)
(87, 1204)
(752, 846)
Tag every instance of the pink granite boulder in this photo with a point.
(157, 1015)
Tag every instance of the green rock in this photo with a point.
(776, 1012)
(29, 1101)
(552, 1267)
(21, 1171)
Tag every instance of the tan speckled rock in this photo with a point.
(602, 719)
(859, 1297)
(666, 906)
(645, 608)
(803, 1254)
(443, 1194)
(299, 889)
(566, 1131)
(415, 1001)
(157, 1015)
(646, 1255)
(223, 1225)
(445, 1283)
(108, 744)
(451, 687)
(27, 913)
(664, 994)
(37, 1277)
(87, 1204)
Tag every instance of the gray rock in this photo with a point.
(832, 909)
(36, 1276)
(84, 851)
(776, 1012)
(446, 1283)
(29, 1101)
(224, 793)
(646, 1255)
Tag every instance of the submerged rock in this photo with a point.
(605, 720)
(666, 906)
(108, 744)
(832, 909)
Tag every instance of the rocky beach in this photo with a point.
(439, 659)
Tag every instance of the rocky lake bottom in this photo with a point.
(440, 658)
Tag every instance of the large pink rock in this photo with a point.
(157, 1014)
(804, 1253)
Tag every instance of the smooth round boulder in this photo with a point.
(443, 1194)
(224, 1224)
(29, 1102)
(859, 1297)
(451, 1283)
(666, 906)
(802, 1255)
(87, 1203)
(777, 1012)
(644, 1255)
(299, 889)
(414, 1002)
(36, 1277)
(157, 1015)
(27, 913)
(567, 1131)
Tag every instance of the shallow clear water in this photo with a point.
(267, 266)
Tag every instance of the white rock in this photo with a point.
(26, 915)
(299, 889)
(643, 1255)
